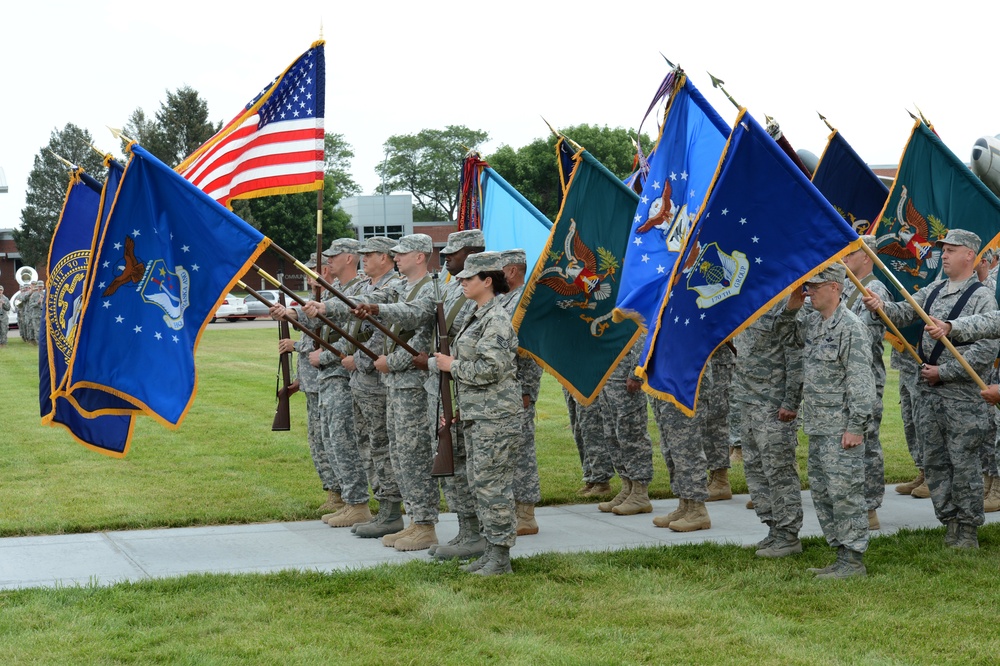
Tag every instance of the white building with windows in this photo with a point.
(377, 215)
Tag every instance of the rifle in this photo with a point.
(444, 457)
(282, 416)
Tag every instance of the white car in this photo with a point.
(231, 309)
(12, 315)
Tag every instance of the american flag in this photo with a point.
(275, 145)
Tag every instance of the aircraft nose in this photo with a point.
(981, 157)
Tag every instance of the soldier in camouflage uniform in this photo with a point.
(949, 413)
(369, 393)
(37, 309)
(408, 412)
(307, 378)
(716, 399)
(861, 265)
(767, 391)
(626, 413)
(838, 393)
(527, 487)
(4, 318)
(490, 405)
(594, 431)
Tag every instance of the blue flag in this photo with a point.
(680, 172)
(69, 260)
(165, 259)
(849, 184)
(509, 220)
(764, 230)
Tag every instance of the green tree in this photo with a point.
(338, 155)
(427, 165)
(180, 127)
(533, 170)
(46, 189)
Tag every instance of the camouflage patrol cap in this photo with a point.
(480, 262)
(342, 246)
(377, 244)
(515, 256)
(871, 241)
(312, 261)
(835, 272)
(461, 239)
(963, 238)
(414, 243)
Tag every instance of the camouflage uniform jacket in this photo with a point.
(366, 377)
(307, 375)
(980, 355)
(329, 363)
(838, 385)
(529, 373)
(403, 374)
(484, 370)
(983, 326)
(873, 323)
(768, 369)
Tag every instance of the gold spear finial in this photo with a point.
(922, 117)
(717, 83)
(823, 118)
(119, 134)
(72, 167)
(551, 129)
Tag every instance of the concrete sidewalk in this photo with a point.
(105, 558)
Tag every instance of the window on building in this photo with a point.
(389, 231)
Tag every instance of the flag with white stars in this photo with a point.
(274, 145)
(564, 317)
(763, 231)
(680, 172)
(98, 420)
(165, 259)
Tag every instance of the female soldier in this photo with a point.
(489, 404)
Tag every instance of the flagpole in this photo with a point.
(923, 315)
(881, 313)
(319, 233)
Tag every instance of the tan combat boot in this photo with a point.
(389, 540)
(718, 485)
(907, 488)
(622, 495)
(749, 503)
(695, 519)
(352, 515)
(921, 491)
(596, 489)
(332, 504)
(736, 454)
(421, 538)
(873, 523)
(526, 523)
(584, 489)
(637, 501)
(327, 517)
(676, 514)
(992, 501)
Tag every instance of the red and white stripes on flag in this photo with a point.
(275, 145)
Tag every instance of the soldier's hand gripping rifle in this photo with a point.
(282, 415)
(444, 457)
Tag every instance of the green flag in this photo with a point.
(934, 191)
(564, 317)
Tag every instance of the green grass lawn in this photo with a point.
(687, 604)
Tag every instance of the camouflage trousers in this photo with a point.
(457, 488)
(595, 434)
(836, 479)
(874, 459)
(4, 324)
(736, 427)
(907, 393)
(715, 398)
(492, 444)
(988, 451)
(314, 432)
(682, 444)
(953, 430)
(626, 427)
(341, 439)
(769, 464)
(373, 444)
(527, 487)
(411, 452)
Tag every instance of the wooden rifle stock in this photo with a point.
(282, 415)
(444, 457)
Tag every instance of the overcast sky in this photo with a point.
(398, 67)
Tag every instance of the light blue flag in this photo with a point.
(511, 221)
(680, 172)
(165, 259)
(763, 231)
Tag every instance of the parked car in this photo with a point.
(256, 308)
(12, 315)
(231, 309)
